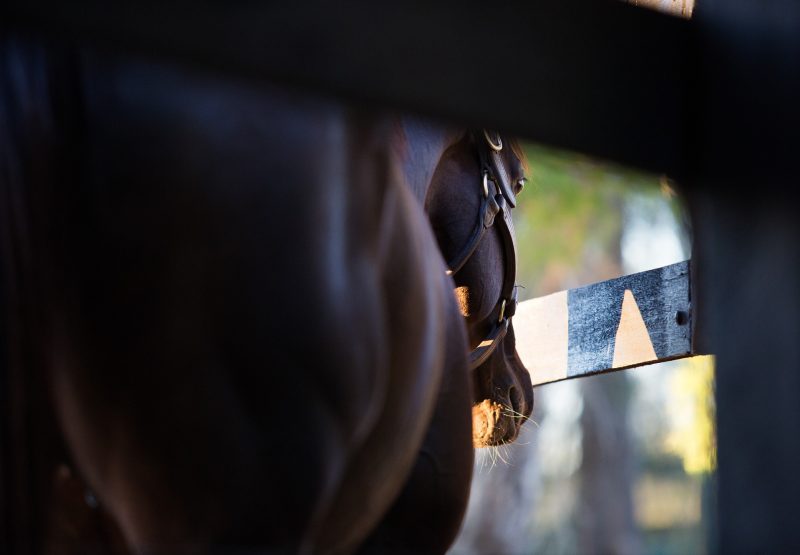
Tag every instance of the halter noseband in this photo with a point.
(498, 198)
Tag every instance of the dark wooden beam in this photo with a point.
(621, 323)
(6, 445)
(747, 232)
(601, 77)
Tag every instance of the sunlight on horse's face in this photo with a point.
(503, 396)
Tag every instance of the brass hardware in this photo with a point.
(502, 312)
(496, 147)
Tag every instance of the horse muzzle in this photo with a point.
(504, 399)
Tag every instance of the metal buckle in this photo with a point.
(485, 184)
(502, 312)
(496, 147)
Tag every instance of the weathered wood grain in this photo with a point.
(620, 323)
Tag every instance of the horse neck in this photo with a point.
(419, 146)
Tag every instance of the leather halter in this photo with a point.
(498, 198)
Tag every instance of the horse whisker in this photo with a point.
(509, 411)
(500, 454)
(515, 415)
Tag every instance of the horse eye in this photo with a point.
(519, 185)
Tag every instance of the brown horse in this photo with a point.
(469, 198)
(448, 172)
(228, 298)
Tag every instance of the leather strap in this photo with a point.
(499, 199)
(488, 210)
(501, 174)
(483, 351)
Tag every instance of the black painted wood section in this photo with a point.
(598, 76)
(747, 231)
(6, 445)
(663, 298)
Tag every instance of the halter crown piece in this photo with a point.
(498, 197)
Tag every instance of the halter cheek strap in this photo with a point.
(486, 215)
(498, 200)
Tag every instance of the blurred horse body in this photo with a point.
(232, 300)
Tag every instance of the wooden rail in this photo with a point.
(621, 323)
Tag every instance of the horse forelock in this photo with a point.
(515, 146)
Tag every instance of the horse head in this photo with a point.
(469, 205)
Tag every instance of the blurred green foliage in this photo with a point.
(571, 207)
(570, 221)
